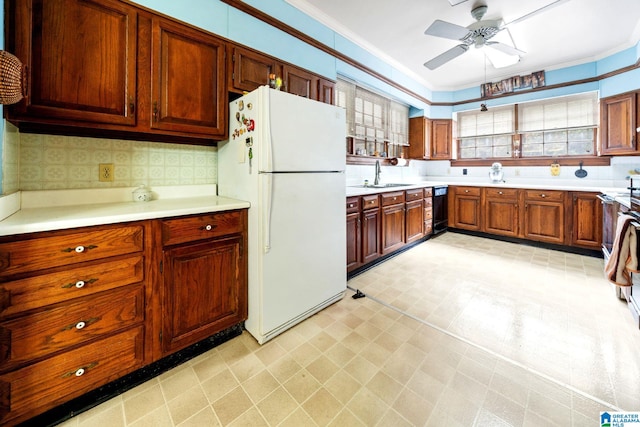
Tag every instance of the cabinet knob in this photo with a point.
(372, 202)
(394, 199)
(350, 205)
(466, 191)
(79, 249)
(500, 192)
(80, 372)
(155, 111)
(543, 195)
(80, 284)
(208, 227)
(80, 325)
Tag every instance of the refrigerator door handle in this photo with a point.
(266, 217)
(267, 143)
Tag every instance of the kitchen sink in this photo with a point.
(380, 185)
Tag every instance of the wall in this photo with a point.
(62, 162)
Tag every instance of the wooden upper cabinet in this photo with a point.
(81, 59)
(441, 139)
(249, 69)
(300, 82)
(326, 91)
(188, 90)
(419, 138)
(429, 139)
(618, 121)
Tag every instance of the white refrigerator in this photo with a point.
(286, 156)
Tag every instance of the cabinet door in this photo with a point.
(441, 139)
(370, 235)
(587, 220)
(414, 220)
(326, 91)
(203, 285)
(249, 69)
(354, 247)
(300, 82)
(501, 212)
(419, 138)
(618, 124)
(544, 216)
(188, 82)
(81, 59)
(466, 209)
(392, 228)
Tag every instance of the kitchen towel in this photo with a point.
(624, 254)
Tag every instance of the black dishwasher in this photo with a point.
(439, 209)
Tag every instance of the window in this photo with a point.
(563, 126)
(376, 125)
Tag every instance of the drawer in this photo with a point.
(428, 227)
(31, 390)
(428, 192)
(428, 213)
(392, 198)
(46, 289)
(510, 193)
(370, 202)
(353, 204)
(66, 249)
(200, 227)
(553, 195)
(30, 337)
(468, 191)
(414, 194)
(428, 202)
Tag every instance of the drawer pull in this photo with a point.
(79, 249)
(372, 202)
(80, 371)
(350, 205)
(81, 324)
(208, 227)
(500, 192)
(466, 191)
(543, 195)
(394, 199)
(79, 284)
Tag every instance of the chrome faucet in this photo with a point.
(376, 181)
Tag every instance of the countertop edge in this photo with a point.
(32, 220)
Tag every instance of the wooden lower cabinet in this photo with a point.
(585, 230)
(414, 215)
(543, 216)
(83, 307)
(550, 216)
(371, 226)
(465, 208)
(500, 215)
(354, 234)
(393, 221)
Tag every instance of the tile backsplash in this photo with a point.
(66, 162)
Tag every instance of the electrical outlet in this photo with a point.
(517, 172)
(105, 172)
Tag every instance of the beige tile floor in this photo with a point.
(458, 331)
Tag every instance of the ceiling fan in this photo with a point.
(478, 34)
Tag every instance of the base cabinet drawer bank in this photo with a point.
(383, 223)
(567, 218)
(83, 307)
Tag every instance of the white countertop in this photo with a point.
(558, 185)
(39, 217)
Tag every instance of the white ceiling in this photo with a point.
(569, 33)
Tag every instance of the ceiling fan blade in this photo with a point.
(505, 48)
(535, 12)
(446, 30)
(447, 56)
(455, 2)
